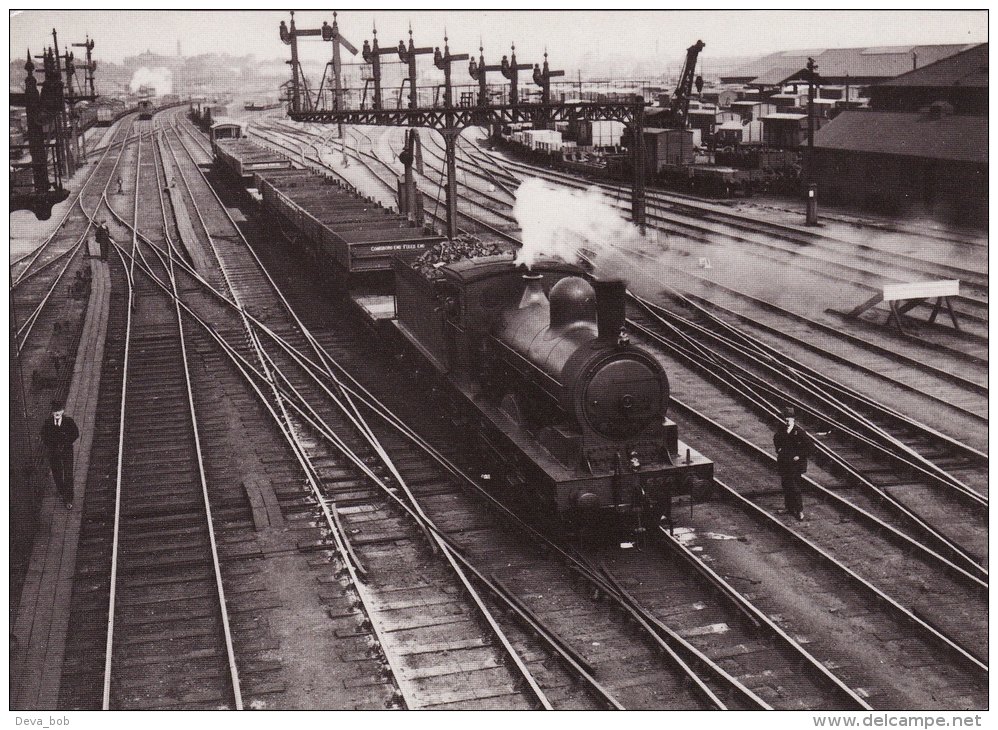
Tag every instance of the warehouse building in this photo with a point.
(932, 162)
(960, 80)
(840, 66)
(923, 148)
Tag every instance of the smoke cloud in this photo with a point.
(160, 79)
(562, 223)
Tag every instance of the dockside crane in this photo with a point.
(679, 106)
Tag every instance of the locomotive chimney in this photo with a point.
(610, 302)
(533, 292)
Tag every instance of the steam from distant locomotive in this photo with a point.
(562, 223)
(160, 79)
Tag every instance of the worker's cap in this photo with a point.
(788, 412)
(58, 404)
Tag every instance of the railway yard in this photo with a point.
(289, 493)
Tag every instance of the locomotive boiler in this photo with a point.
(544, 362)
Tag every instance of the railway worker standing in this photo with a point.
(104, 239)
(792, 445)
(59, 433)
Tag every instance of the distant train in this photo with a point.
(145, 108)
(571, 413)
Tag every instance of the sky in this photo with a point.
(567, 35)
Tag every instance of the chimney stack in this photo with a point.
(533, 292)
(611, 299)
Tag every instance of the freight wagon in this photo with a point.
(345, 235)
(243, 159)
(225, 129)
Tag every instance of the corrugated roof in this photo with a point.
(784, 115)
(955, 138)
(968, 69)
(884, 62)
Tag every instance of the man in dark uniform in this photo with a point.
(104, 239)
(59, 433)
(792, 446)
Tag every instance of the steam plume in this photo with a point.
(561, 223)
(160, 79)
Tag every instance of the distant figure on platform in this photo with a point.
(120, 191)
(104, 239)
(792, 446)
(59, 433)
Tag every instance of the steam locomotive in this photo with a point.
(542, 361)
(570, 412)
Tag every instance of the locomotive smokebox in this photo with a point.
(611, 299)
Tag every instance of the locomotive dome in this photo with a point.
(572, 299)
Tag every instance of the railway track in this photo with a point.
(338, 484)
(864, 354)
(163, 579)
(512, 172)
(52, 272)
(354, 485)
(829, 257)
